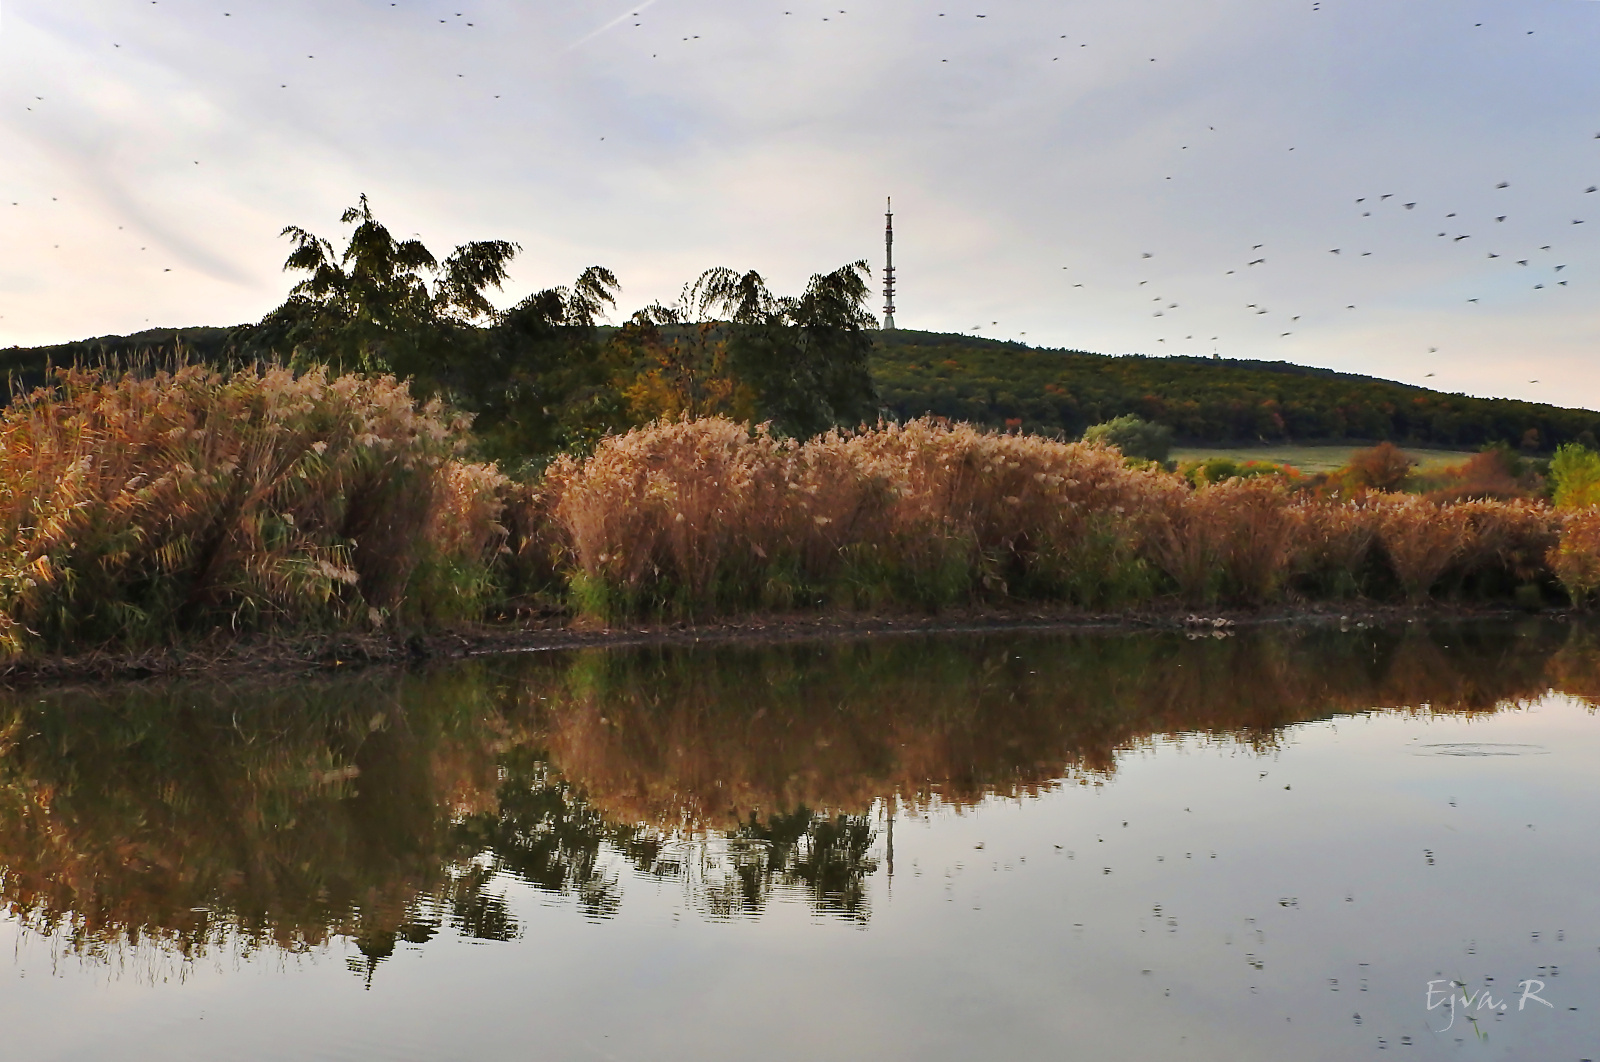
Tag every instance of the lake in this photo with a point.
(1278, 844)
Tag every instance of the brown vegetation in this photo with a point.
(141, 508)
(137, 506)
(690, 518)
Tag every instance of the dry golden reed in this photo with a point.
(138, 505)
(696, 517)
(693, 516)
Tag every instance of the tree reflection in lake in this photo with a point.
(155, 824)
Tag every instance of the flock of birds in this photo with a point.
(1538, 259)
(1541, 258)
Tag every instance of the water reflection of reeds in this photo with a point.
(156, 824)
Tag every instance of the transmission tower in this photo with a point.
(888, 266)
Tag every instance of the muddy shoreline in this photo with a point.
(294, 657)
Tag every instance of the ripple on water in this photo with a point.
(1481, 748)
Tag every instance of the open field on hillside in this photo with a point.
(1311, 458)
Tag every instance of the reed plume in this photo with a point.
(137, 506)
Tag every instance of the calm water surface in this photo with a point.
(1269, 846)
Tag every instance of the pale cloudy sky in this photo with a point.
(151, 152)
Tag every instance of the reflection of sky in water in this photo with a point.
(1208, 901)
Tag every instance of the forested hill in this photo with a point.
(27, 364)
(999, 383)
(1201, 399)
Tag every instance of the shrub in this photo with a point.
(1495, 473)
(1218, 468)
(1133, 436)
(1384, 467)
(1575, 475)
(1575, 560)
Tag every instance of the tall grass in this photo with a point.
(144, 507)
(693, 517)
(687, 519)
(137, 506)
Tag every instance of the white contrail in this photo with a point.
(625, 16)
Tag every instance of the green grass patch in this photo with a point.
(1313, 458)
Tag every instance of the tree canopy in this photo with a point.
(544, 375)
(1202, 400)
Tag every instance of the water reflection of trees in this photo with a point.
(386, 808)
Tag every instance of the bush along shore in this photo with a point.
(152, 508)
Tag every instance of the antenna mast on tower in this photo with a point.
(888, 265)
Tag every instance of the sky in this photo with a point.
(1402, 188)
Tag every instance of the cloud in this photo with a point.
(1046, 135)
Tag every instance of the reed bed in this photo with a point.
(138, 506)
(695, 517)
(691, 518)
(150, 506)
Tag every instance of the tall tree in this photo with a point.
(543, 381)
(372, 306)
(802, 360)
(535, 376)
